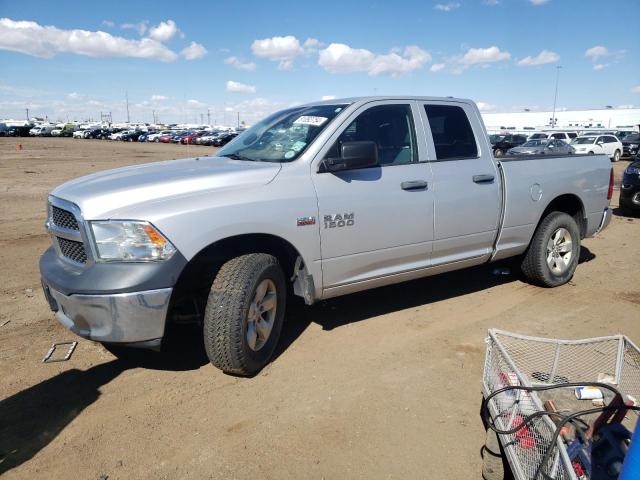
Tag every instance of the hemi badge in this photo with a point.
(303, 221)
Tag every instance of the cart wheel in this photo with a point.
(493, 463)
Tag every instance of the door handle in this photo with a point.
(415, 185)
(487, 178)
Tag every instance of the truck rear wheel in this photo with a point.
(554, 251)
(244, 313)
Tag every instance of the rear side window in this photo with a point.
(452, 134)
(557, 135)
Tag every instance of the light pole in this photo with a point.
(555, 97)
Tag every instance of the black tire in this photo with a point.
(535, 266)
(225, 318)
(616, 156)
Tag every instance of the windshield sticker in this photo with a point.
(298, 146)
(310, 120)
(289, 154)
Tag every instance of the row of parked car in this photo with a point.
(215, 138)
(615, 144)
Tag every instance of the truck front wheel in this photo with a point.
(244, 313)
(554, 251)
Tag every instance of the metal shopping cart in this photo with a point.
(527, 381)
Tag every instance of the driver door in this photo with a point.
(375, 222)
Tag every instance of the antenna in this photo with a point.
(126, 96)
(555, 97)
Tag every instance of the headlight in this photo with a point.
(130, 241)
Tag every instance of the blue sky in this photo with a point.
(256, 56)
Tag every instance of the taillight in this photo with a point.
(610, 192)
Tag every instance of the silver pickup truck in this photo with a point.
(318, 200)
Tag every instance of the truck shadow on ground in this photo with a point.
(361, 306)
(32, 418)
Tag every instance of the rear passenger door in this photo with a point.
(466, 183)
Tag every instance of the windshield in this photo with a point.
(283, 136)
(496, 138)
(584, 140)
(534, 143)
(632, 137)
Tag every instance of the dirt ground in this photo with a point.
(380, 384)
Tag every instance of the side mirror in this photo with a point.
(354, 155)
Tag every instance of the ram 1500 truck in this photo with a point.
(318, 200)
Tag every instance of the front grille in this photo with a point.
(72, 250)
(63, 218)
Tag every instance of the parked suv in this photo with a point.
(631, 145)
(630, 187)
(565, 136)
(592, 144)
(507, 143)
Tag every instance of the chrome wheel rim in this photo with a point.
(559, 251)
(261, 315)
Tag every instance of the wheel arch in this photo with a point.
(570, 204)
(190, 293)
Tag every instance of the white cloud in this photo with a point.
(594, 53)
(159, 98)
(635, 89)
(538, 2)
(544, 57)
(341, 58)
(75, 96)
(485, 107)
(108, 23)
(600, 66)
(237, 63)
(196, 103)
(238, 87)
(447, 7)
(34, 39)
(194, 51)
(483, 56)
(312, 44)
(139, 27)
(164, 31)
(491, 3)
(328, 97)
(283, 50)
(436, 67)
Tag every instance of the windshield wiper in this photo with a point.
(235, 156)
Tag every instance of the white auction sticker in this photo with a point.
(310, 120)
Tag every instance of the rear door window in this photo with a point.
(452, 135)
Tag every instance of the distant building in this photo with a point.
(607, 119)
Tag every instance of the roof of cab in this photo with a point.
(367, 99)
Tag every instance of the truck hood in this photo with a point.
(107, 192)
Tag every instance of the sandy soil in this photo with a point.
(381, 384)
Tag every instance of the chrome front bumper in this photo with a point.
(137, 317)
